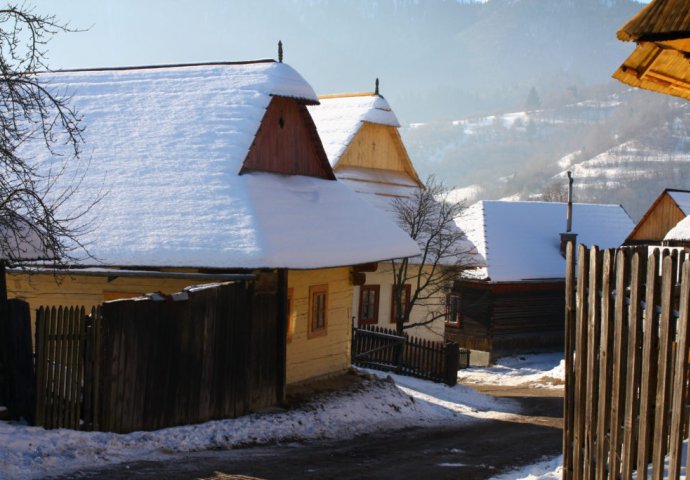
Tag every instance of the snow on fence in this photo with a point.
(384, 349)
(146, 364)
(626, 352)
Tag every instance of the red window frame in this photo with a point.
(369, 304)
(407, 289)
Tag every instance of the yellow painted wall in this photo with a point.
(383, 277)
(322, 355)
(306, 357)
(378, 146)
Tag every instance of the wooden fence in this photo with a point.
(626, 360)
(146, 364)
(384, 349)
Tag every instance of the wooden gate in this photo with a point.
(384, 349)
(626, 360)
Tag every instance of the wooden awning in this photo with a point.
(661, 61)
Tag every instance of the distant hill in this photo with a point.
(623, 146)
(444, 59)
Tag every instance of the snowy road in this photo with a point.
(479, 450)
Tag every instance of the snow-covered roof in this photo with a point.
(338, 118)
(682, 199)
(521, 240)
(679, 233)
(166, 145)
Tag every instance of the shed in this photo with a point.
(516, 302)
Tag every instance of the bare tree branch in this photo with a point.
(429, 218)
(33, 224)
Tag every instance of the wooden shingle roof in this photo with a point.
(660, 20)
(659, 63)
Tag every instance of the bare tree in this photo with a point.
(555, 192)
(429, 218)
(32, 222)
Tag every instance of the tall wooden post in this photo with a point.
(4, 354)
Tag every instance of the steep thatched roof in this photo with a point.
(660, 61)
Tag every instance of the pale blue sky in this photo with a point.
(135, 32)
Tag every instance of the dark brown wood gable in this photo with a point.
(287, 142)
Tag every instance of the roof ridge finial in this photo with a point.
(376, 90)
(280, 51)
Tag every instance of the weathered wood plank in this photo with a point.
(580, 359)
(605, 366)
(634, 367)
(591, 369)
(619, 367)
(679, 390)
(649, 368)
(664, 370)
(569, 352)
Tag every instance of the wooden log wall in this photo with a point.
(627, 346)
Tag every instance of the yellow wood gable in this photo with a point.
(380, 147)
(661, 217)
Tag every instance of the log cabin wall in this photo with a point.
(474, 331)
(527, 317)
(287, 142)
(505, 318)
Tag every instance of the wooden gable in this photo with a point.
(661, 217)
(378, 146)
(287, 142)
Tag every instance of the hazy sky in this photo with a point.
(135, 32)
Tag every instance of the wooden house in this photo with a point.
(659, 62)
(361, 139)
(516, 303)
(206, 170)
(669, 208)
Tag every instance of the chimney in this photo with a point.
(568, 236)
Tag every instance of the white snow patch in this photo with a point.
(547, 469)
(545, 370)
(464, 194)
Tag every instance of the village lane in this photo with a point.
(479, 450)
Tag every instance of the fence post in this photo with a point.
(452, 359)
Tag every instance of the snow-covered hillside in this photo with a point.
(623, 146)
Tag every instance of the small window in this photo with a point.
(405, 301)
(290, 315)
(318, 310)
(453, 316)
(369, 304)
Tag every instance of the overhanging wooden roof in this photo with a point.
(661, 61)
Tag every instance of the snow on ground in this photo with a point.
(378, 404)
(547, 469)
(538, 370)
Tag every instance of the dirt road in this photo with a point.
(477, 451)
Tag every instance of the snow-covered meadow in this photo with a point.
(379, 403)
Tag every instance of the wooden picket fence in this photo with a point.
(626, 355)
(384, 349)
